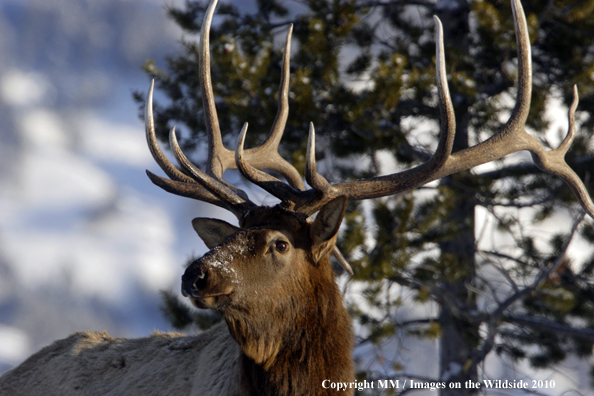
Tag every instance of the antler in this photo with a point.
(209, 186)
(311, 200)
(512, 138)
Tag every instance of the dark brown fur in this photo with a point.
(295, 333)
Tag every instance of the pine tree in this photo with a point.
(363, 73)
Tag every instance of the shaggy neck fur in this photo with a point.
(291, 348)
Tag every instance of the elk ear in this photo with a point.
(325, 227)
(212, 231)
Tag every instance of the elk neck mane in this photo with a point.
(297, 341)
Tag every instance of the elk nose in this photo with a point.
(193, 280)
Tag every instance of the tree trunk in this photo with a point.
(459, 337)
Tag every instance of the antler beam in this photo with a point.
(209, 186)
(512, 138)
(322, 192)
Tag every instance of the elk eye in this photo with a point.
(282, 246)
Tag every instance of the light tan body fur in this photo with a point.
(96, 364)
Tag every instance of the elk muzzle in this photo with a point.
(206, 285)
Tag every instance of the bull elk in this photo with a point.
(285, 328)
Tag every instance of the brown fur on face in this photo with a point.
(286, 311)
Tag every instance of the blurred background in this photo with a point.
(86, 241)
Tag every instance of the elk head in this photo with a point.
(273, 251)
(279, 253)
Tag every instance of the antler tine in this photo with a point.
(411, 178)
(218, 156)
(571, 127)
(288, 195)
(231, 195)
(209, 190)
(151, 138)
(278, 127)
(554, 161)
(268, 156)
(314, 179)
(274, 186)
(181, 184)
(197, 192)
(341, 260)
(511, 138)
(264, 157)
(517, 120)
(319, 183)
(310, 201)
(447, 118)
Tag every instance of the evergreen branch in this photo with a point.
(439, 293)
(530, 204)
(283, 23)
(418, 321)
(503, 256)
(364, 340)
(386, 44)
(492, 288)
(502, 271)
(542, 324)
(392, 3)
(498, 87)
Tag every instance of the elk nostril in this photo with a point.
(200, 281)
(193, 282)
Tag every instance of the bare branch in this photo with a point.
(497, 314)
(542, 324)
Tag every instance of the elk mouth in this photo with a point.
(206, 289)
(214, 300)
